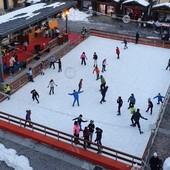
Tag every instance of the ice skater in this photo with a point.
(137, 117)
(103, 82)
(83, 58)
(150, 106)
(80, 84)
(120, 103)
(132, 112)
(75, 94)
(35, 95)
(51, 85)
(103, 93)
(91, 127)
(168, 66)
(59, 65)
(95, 57)
(104, 65)
(137, 38)
(125, 44)
(118, 52)
(99, 138)
(96, 69)
(76, 132)
(7, 91)
(52, 61)
(28, 118)
(80, 120)
(131, 101)
(160, 97)
(42, 68)
(30, 75)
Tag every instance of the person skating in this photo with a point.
(160, 97)
(150, 106)
(80, 120)
(155, 162)
(120, 103)
(7, 91)
(86, 137)
(30, 75)
(59, 65)
(80, 84)
(137, 117)
(103, 82)
(91, 127)
(104, 65)
(131, 100)
(42, 68)
(96, 69)
(99, 138)
(51, 85)
(95, 57)
(125, 44)
(103, 93)
(132, 112)
(83, 58)
(28, 118)
(35, 95)
(118, 52)
(75, 94)
(137, 37)
(168, 66)
(52, 61)
(76, 132)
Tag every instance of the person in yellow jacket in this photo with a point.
(7, 91)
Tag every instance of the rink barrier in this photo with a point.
(121, 37)
(7, 122)
(154, 131)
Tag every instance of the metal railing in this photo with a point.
(65, 137)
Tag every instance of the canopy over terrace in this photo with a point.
(24, 18)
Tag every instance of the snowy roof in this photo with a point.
(33, 1)
(21, 19)
(166, 4)
(141, 2)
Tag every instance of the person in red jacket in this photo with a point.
(117, 52)
(96, 69)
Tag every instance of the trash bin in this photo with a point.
(60, 40)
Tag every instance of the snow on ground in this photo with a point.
(10, 157)
(140, 70)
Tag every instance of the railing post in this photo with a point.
(45, 131)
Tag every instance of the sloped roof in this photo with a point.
(20, 19)
(166, 4)
(141, 2)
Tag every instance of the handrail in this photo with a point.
(62, 136)
(157, 124)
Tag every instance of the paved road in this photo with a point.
(41, 156)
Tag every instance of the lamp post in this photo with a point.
(66, 13)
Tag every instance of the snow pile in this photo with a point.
(13, 160)
(76, 15)
(166, 165)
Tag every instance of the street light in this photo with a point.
(66, 13)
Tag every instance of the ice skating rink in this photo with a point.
(140, 70)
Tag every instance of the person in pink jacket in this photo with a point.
(76, 131)
(83, 58)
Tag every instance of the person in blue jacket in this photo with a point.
(75, 94)
(160, 97)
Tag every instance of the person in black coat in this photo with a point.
(137, 117)
(168, 66)
(80, 120)
(98, 137)
(103, 92)
(155, 162)
(150, 106)
(137, 37)
(35, 95)
(59, 65)
(91, 127)
(120, 103)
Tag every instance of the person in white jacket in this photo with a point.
(51, 85)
